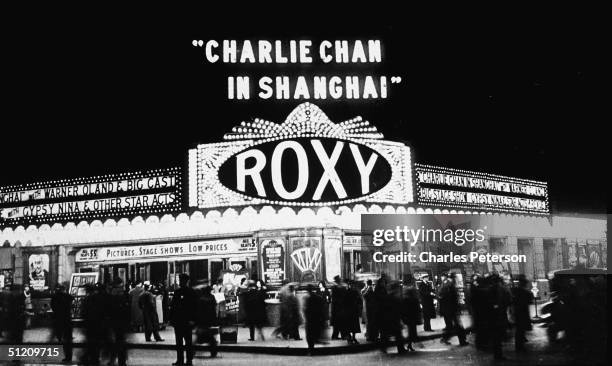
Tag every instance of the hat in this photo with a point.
(147, 283)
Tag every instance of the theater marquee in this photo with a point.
(93, 197)
(445, 187)
(306, 161)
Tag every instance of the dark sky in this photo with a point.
(100, 95)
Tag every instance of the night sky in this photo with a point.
(519, 98)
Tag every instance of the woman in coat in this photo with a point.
(353, 308)
(411, 314)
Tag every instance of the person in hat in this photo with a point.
(182, 318)
(255, 310)
(427, 294)
(146, 302)
(338, 314)
(61, 303)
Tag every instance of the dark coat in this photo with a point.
(136, 312)
(183, 307)
(338, 302)
(314, 313)
(391, 314)
(290, 312)
(255, 307)
(61, 303)
(426, 292)
(522, 298)
(411, 310)
(119, 308)
(352, 309)
(206, 311)
(146, 302)
(449, 299)
(95, 311)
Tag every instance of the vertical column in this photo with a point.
(559, 254)
(512, 248)
(538, 251)
(18, 273)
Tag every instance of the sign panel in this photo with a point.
(95, 197)
(78, 281)
(124, 253)
(306, 259)
(452, 188)
(306, 161)
(273, 262)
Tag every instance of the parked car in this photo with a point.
(577, 308)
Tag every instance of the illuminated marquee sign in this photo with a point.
(94, 197)
(305, 161)
(123, 253)
(437, 186)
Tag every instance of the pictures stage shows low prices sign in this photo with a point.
(273, 262)
(78, 281)
(99, 197)
(123, 253)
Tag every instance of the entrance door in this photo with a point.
(198, 270)
(159, 272)
(215, 266)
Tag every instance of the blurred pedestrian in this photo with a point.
(119, 315)
(136, 312)
(292, 315)
(353, 304)
(255, 309)
(481, 310)
(338, 313)
(148, 306)
(15, 315)
(521, 300)
(427, 295)
(29, 308)
(390, 316)
(240, 295)
(411, 314)
(315, 317)
(449, 308)
(371, 305)
(61, 303)
(500, 300)
(161, 287)
(206, 318)
(182, 318)
(94, 307)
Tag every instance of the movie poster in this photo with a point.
(333, 256)
(306, 259)
(39, 271)
(273, 262)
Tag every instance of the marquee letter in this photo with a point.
(329, 173)
(364, 169)
(254, 172)
(277, 178)
(212, 58)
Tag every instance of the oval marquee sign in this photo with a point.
(306, 170)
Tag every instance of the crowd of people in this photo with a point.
(388, 309)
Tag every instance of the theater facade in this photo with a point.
(279, 202)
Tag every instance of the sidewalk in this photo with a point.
(270, 345)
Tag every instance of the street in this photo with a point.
(430, 352)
